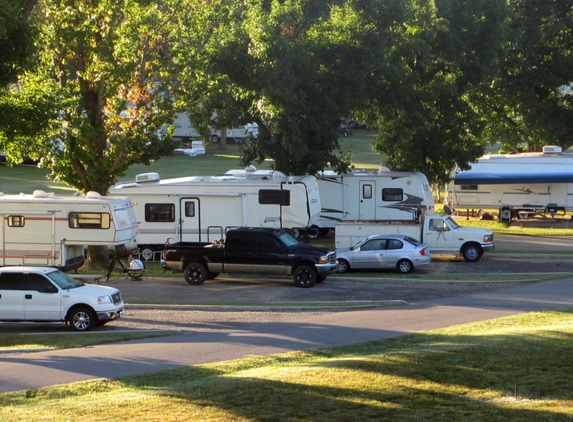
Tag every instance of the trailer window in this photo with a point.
(392, 194)
(89, 220)
(162, 213)
(367, 191)
(274, 197)
(189, 209)
(16, 221)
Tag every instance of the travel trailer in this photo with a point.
(185, 132)
(203, 208)
(361, 195)
(44, 229)
(517, 185)
(382, 195)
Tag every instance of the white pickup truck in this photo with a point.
(442, 234)
(45, 294)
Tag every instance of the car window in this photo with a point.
(413, 241)
(38, 283)
(11, 281)
(394, 244)
(63, 280)
(266, 244)
(373, 245)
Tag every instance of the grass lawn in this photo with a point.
(514, 368)
(26, 179)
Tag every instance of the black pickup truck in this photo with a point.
(254, 251)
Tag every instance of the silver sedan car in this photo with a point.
(390, 251)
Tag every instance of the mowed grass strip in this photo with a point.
(513, 368)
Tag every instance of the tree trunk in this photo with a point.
(223, 144)
(98, 258)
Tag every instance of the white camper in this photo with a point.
(53, 230)
(382, 195)
(516, 184)
(203, 208)
(186, 132)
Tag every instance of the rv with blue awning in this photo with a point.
(517, 185)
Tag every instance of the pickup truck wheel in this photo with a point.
(195, 273)
(343, 266)
(405, 266)
(472, 252)
(305, 276)
(83, 319)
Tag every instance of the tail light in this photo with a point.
(423, 251)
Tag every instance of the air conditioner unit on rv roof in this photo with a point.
(147, 177)
(552, 149)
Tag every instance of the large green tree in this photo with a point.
(427, 119)
(293, 67)
(526, 106)
(93, 105)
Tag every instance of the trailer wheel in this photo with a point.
(404, 266)
(472, 252)
(305, 276)
(215, 139)
(505, 214)
(314, 232)
(195, 273)
(146, 254)
(82, 318)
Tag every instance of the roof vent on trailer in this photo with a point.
(93, 195)
(147, 177)
(552, 149)
(40, 194)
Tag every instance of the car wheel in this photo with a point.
(83, 319)
(146, 254)
(305, 276)
(195, 273)
(472, 253)
(405, 266)
(343, 266)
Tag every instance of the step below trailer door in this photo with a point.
(367, 200)
(189, 220)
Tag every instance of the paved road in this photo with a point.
(296, 331)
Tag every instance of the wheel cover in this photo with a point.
(147, 254)
(472, 253)
(405, 267)
(81, 320)
(304, 277)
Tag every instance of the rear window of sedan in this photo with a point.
(413, 241)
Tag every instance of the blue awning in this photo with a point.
(471, 178)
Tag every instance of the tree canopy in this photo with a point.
(440, 79)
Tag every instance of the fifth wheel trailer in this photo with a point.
(516, 184)
(203, 208)
(44, 229)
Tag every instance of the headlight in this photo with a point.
(488, 238)
(323, 260)
(104, 300)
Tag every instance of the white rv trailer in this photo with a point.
(516, 184)
(186, 132)
(203, 208)
(53, 230)
(361, 195)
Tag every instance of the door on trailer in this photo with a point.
(367, 200)
(189, 220)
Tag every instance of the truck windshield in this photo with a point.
(63, 280)
(287, 239)
(452, 223)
